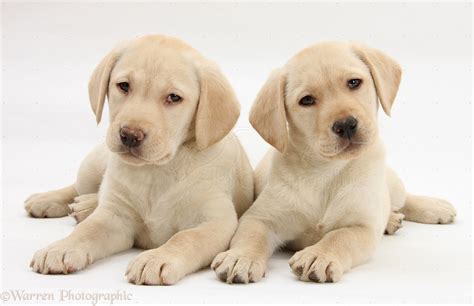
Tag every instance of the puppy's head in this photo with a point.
(325, 100)
(161, 94)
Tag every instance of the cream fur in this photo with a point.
(179, 194)
(330, 198)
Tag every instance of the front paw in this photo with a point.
(155, 267)
(311, 264)
(234, 266)
(60, 259)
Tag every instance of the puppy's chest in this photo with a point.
(147, 191)
(311, 196)
(154, 197)
(151, 192)
(317, 199)
(317, 212)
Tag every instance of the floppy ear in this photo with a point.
(268, 115)
(218, 108)
(386, 73)
(99, 81)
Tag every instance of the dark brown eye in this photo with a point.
(354, 83)
(124, 86)
(173, 98)
(307, 101)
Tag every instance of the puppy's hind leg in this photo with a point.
(88, 183)
(394, 223)
(83, 206)
(428, 210)
(53, 204)
(397, 190)
(397, 200)
(417, 208)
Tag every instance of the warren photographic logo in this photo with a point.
(63, 295)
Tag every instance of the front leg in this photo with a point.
(265, 226)
(103, 233)
(250, 249)
(187, 251)
(337, 252)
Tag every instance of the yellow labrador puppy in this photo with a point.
(327, 190)
(174, 179)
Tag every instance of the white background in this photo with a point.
(49, 51)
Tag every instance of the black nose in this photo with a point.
(131, 137)
(345, 128)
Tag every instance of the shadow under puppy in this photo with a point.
(172, 177)
(327, 190)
